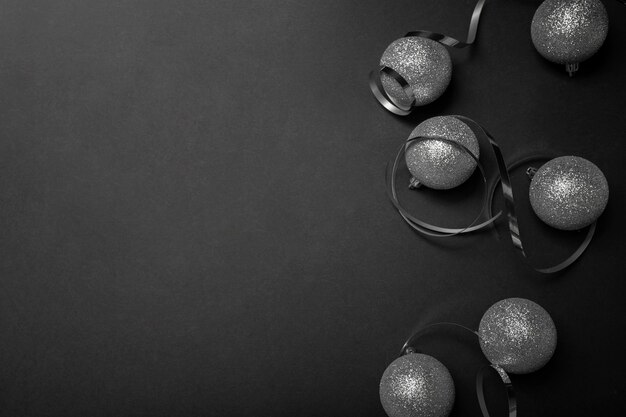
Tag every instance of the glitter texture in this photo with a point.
(517, 335)
(441, 165)
(423, 63)
(417, 385)
(569, 31)
(569, 193)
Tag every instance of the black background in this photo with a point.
(193, 217)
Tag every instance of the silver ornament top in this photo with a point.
(517, 335)
(569, 193)
(569, 31)
(417, 385)
(438, 164)
(424, 64)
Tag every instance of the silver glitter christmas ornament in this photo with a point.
(424, 64)
(517, 335)
(437, 164)
(569, 31)
(569, 193)
(417, 385)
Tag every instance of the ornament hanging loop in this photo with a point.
(414, 184)
(571, 68)
(409, 350)
(515, 236)
(530, 172)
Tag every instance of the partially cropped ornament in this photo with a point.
(417, 385)
(569, 31)
(424, 64)
(517, 335)
(438, 164)
(569, 193)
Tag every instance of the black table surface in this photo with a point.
(193, 217)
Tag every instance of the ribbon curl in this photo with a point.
(375, 76)
(502, 179)
(508, 195)
(420, 225)
(408, 348)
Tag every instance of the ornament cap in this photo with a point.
(409, 350)
(571, 68)
(530, 172)
(414, 184)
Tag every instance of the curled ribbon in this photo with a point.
(517, 241)
(408, 348)
(503, 179)
(508, 386)
(375, 76)
(420, 225)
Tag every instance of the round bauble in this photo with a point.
(569, 193)
(437, 164)
(569, 31)
(423, 63)
(417, 385)
(518, 335)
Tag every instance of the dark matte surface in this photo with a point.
(194, 222)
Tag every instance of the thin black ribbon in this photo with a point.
(409, 348)
(503, 179)
(375, 76)
(508, 386)
(408, 345)
(450, 41)
(388, 102)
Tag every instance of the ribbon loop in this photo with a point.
(375, 82)
(420, 225)
(409, 347)
(515, 234)
(503, 179)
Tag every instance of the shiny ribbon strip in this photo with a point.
(449, 41)
(508, 386)
(503, 179)
(507, 191)
(420, 225)
(375, 76)
(408, 348)
(376, 85)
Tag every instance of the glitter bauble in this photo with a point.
(569, 193)
(569, 31)
(417, 385)
(423, 63)
(517, 335)
(437, 164)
